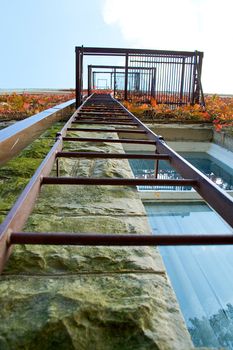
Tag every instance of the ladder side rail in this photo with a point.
(217, 198)
(23, 206)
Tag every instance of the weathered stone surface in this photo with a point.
(183, 132)
(89, 297)
(223, 139)
(89, 312)
(16, 173)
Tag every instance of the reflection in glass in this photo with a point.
(217, 171)
(201, 275)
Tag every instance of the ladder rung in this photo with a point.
(105, 113)
(64, 238)
(111, 155)
(101, 109)
(81, 121)
(128, 131)
(117, 181)
(90, 139)
(101, 119)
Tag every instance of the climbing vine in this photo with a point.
(218, 111)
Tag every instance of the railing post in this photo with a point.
(111, 85)
(126, 76)
(199, 69)
(114, 82)
(182, 80)
(81, 75)
(194, 81)
(89, 79)
(78, 77)
(153, 83)
(197, 79)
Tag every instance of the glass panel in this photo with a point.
(201, 275)
(217, 171)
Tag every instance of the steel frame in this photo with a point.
(115, 70)
(178, 70)
(11, 229)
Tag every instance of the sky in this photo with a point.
(38, 37)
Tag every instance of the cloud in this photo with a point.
(205, 25)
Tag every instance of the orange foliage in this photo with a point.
(219, 111)
(153, 102)
(25, 105)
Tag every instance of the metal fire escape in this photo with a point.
(103, 110)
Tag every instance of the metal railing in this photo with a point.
(168, 77)
(106, 110)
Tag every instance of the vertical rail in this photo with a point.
(193, 80)
(153, 83)
(156, 166)
(77, 80)
(94, 80)
(177, 81)
(159, 81)
(81, 75)
(190, 80)
(199, 69)
(114, 79)
(57, 167)
(111, 74)
(126, 76)
(89, 80)
(185, 89)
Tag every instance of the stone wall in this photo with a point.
(223, 139)
(99, 298)
(184, 132)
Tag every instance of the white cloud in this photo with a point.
(205, 25)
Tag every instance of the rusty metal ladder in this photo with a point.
(102, 109)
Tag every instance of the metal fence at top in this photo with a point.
(168, 77)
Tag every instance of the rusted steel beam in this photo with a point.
(116, 181)
(90, 139)
(64, 238)
(111, 155)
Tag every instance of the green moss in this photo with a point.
(77, 313)
(51, 132)
(19, 167)
(10, 189)
(38, 149)
(16, 173)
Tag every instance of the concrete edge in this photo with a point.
(16, 137)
